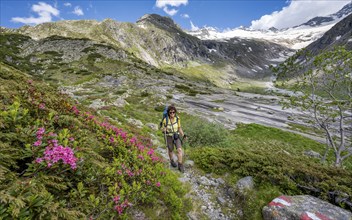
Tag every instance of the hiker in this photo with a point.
(171, 126)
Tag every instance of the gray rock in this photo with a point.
(204, 181)
(120, 102)
(221, 200)
(191, 216)
(152, 126)
(245, 183)
(303, 207)
(184, 179)
(135, 122)
(97, 104)
(220, 181)
(189, 163)
(312, 154)
(155, 142)
(231, 193)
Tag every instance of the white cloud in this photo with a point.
(184, 15)
(173, 3)
(298, 12)
(166, 4)
(67, 4)
(170, 12)
(78, 11)
(44, 11)
(193, 27)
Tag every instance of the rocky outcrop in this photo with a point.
(303, 208)
(72, 49)
(312, 154)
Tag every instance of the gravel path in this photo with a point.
(208, 194)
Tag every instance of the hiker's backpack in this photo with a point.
(164, 116)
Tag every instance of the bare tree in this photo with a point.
(323, 85)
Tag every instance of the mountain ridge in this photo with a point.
(160, 42)
(342, 13)
(296, 37)
(339, 35)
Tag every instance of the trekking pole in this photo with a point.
(165, 138)
(167, 149)
(184, 145)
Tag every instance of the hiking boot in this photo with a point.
(173, 163)
(181, 168)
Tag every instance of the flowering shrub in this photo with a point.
(62, 162)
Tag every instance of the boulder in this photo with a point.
(189, 163)
(241, 187)
(221, 200)
(97, 104)
(312, 154)
(245, 183)
(135, 122)
(204, 181)
(303, 207)
(220, 181)
(120, 102)
(153, 126)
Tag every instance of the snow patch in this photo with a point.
(142, 26)
(295, 38)
(338, 37)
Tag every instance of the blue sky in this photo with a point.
(189, 14)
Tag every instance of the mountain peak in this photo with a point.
(319, 20)
(159, 21)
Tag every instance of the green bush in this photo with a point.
(202, 133)
(292, 174)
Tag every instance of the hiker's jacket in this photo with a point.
(172, 126)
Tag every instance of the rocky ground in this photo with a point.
(230, 108)
(209, 194)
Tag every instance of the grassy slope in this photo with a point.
(117, 173)
(274, 158)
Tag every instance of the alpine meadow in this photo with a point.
(88, 108)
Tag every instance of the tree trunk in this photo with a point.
(338, 161)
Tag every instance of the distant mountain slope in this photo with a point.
(317, 21)
(339, 35)
(160, 42)
(295, 37)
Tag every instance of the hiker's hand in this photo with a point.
(184, 137)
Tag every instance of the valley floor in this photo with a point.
(230, 108)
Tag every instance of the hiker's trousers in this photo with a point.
(171, 143)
